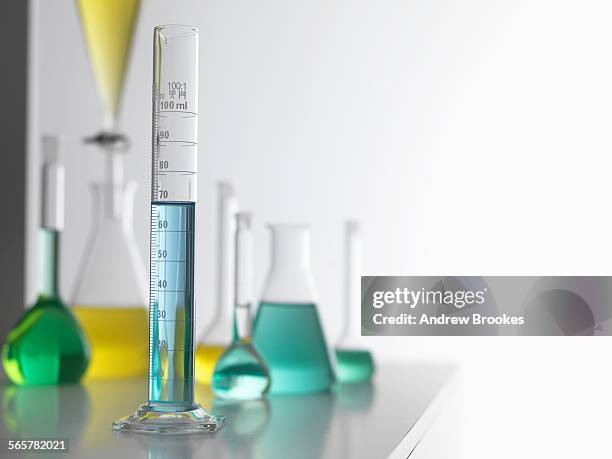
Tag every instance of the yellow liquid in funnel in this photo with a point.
(119, 340)
(108, 26)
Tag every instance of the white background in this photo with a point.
(470, 137)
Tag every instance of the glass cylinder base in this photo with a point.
(148, 420)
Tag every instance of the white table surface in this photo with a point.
(381, 419)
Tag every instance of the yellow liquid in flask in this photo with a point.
(119, 340)
(206, 359)
(108, 26)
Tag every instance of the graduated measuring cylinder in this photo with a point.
(173, 197)
(171, 407)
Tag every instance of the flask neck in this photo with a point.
(48, 259)
(226, 230)
(290, 278)
(113, 146)
(241, 330)
(243, 279)
(114, 201)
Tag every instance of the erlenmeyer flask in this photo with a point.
(354, 363)
(287, 329)
(110, 295)
(217, 335)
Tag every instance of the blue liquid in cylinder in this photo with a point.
(171, 319)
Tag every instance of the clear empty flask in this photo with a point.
(354, 363)
(241, 373)
(287, 329)
(213, 341)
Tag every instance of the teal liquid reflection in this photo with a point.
(298, 427)
(348, 428)
(354, 397)
(295, 426)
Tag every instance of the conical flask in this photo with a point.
(110, 297)
(354, 362)
(47, 346)
(217, 335)
(287, 329)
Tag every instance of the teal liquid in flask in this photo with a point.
(241, 373)
(354, 363)
(287, 328)
(47, 346)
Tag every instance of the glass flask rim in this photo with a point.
(175, 30)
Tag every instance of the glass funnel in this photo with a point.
(215, 337)
(241, 373)
(108, 27)
(287, 329)
(354, 363)
(47, 346)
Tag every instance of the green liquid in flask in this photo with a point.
(47, 345)
(291, 341)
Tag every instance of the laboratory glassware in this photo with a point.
(47, 346)
(109, 297)
(241, 373)
(353, 363)
(287, 329)
(110, 290)
(214, 339)
(108, 26)
(171, 407)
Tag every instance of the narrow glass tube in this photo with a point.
(213, 340)
(353, 363)
(243, 288)
(52, 216)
